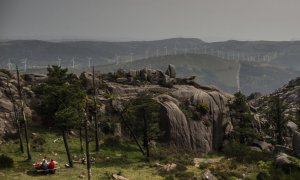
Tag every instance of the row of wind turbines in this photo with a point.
(164, 51)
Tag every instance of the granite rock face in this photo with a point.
(203, 134)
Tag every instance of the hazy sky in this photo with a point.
(114, 20)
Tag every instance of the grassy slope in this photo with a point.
(125, 159)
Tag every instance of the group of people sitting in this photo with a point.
(45, 165)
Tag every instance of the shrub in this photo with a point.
(244, 154)
(112, 141)
(203, 108)
(169, 177)
(38, 144)
(6, 161)
(184, 175)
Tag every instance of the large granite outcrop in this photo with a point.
(8, 89)
(202, 135)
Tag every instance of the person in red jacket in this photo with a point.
(51, 164)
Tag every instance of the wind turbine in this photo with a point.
(59, 61)
(73, 63)
(9, 64)
(89, 59)
(25, 64)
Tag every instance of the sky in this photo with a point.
(126, 20)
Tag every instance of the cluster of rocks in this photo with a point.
(167, 79)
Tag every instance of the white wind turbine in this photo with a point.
(89, 59)
(58, 61)
(9, 64)
(166, 48)
(73, 63)
(25, 64)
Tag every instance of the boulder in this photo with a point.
(201, 135)
(292, 127)
(207, 175)
(171, 71)
(35, 77)
(296, 143)
(87, 80)
(282, 159)
(263, 145)
(5, 105)
(118, 177)
(121, 80)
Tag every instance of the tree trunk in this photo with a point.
(146, 139)
(80, 138)
(20, 136)
(87, 149)
(67, 148)
(95, 114)
(24, 117)
(133, 135)
(26, 137)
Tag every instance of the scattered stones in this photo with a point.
(207, 175)
(263, 145)
(198, 161)
(81, 176)
(118, 177)
(282, 159)
(121, 80)
(169, 167)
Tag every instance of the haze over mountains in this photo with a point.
(265, 65)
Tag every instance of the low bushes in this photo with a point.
(243, 153)
(6, 161)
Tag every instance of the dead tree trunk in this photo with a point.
(132, 134)
(146, 139)
(24, 116)
(67, 147)
(95, 114)
(87, 149)
(80, 138)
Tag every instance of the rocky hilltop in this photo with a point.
(192, 116)
(179, 99)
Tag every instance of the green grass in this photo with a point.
(126, 159)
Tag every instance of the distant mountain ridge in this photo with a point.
(42, 53)
(211, 70)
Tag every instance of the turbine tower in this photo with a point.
(89, 59)
(25, 64)
(59, 61)
(73, 63)
(9, 64)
